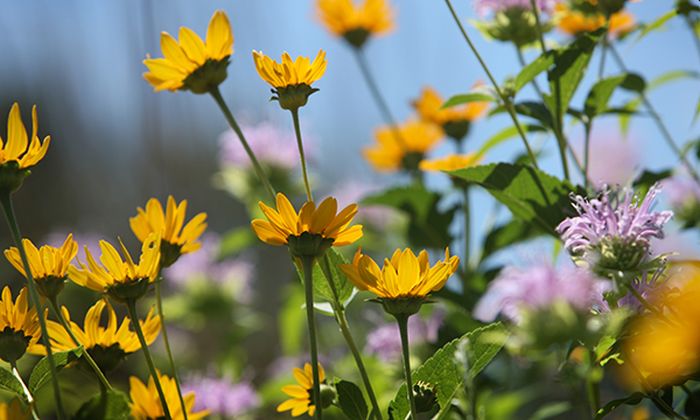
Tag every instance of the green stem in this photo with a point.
(216, 94)
(506, 100)
(467, 229)
(523, 63)
(540, 35)
(603, 51)
(593, 389)
(131, 305)
(62, 320)
(307, 266)
(34, 299)
(166, 343)
(302, 156)
(403, 330)
(657, 119)
(586, 152)
(27, 393)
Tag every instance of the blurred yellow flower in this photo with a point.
(320, 226)
(402, 276)
(19, 327)
(49, 265)
(17, 146)
(175, 239)
(402, 147)
(574, 22)
(192, 63)
(146, 405)
(121, 278)
(14, 410)
(429, 108)
(107, 345)
(450, 162)
(301, 403)
(356, 22)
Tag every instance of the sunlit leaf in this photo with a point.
(468, 97)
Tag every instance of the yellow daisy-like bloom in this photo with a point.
(449, 163)
(429, 108)
(49, 265)
(19, 327)
(574, 22)
(192, 63)
(312, 229)
(356, 22)
(175, 239)
(121, 278)
(14, 410)
(146, 405)
(404, 276)
(402, 150)
(107, 345)
(291, 79)
(301, 403)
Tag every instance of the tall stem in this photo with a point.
(33, 298)
(657, 119)
(603, 53)
(62, 320)
(131, 305)
(302, 157)
(592, 388)
(27, 393)
(216, 94)
(586, 152)
(540, 35)
(506, 100)
(467, 229)
(166, 343)
(307, 266)
(402, 320)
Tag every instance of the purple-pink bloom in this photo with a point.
(538, 287)
(385, 341)
(270, 144)
(615, 160)
(221, 396)
(483, 7)
(682, 191)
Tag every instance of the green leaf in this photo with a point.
(460, 359)
(428, 226)
(632, 399)
(529, 72)
(508, 234)
(468, 97)
(236, 241)
(292, 321)
(337, 290)
(550, 410)
(600, 93)
(506, 134)
(110, 405)
(350, 400)
(531, 195)
(8, 382)
(672, 76)
(648, 178)
(532, 109)
(657, 24)
(41, 374)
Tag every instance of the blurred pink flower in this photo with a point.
(221, 396)
(483, 7)
(385, 341)
(270, 143)
(681, 191)
(613, 160)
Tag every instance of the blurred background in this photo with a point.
(116, 143)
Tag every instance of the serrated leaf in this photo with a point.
(110, 405)
(506, 134)
(339, 290)
(656, 24)
(446, 371)
(468, 97)
(351, 400)
(8, 382)
(532, 70)
(531, 195)
(41, 374)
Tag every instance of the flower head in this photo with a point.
(356, 22)
(175, 239)
(452, 162)
(455, 120)
(107, 345)
(405, 278)
(310, 231)
(220, 396)
(291, 79)
(19, 327)
(19, 152)
(146, 405)
(119, 275)
(14, 410)
(49, 265)
(612, 233)
(192, 64)
(301, 395)
(402, 147)
(573, 21)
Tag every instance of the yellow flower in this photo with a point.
(121, 278)
(356, 22)
(107, 345)
(49, 265)
(449, 163)
(429, 108)
(14, 410)
(320, 226)
(574, 22)
(402, 276)
(403, 146)
(146, 405)
(19, 327)
(300, 402)
(290, 79)
(175, 239)
(192, 63)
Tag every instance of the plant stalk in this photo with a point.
(403, 330)
(302, 156)
(307, 265)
